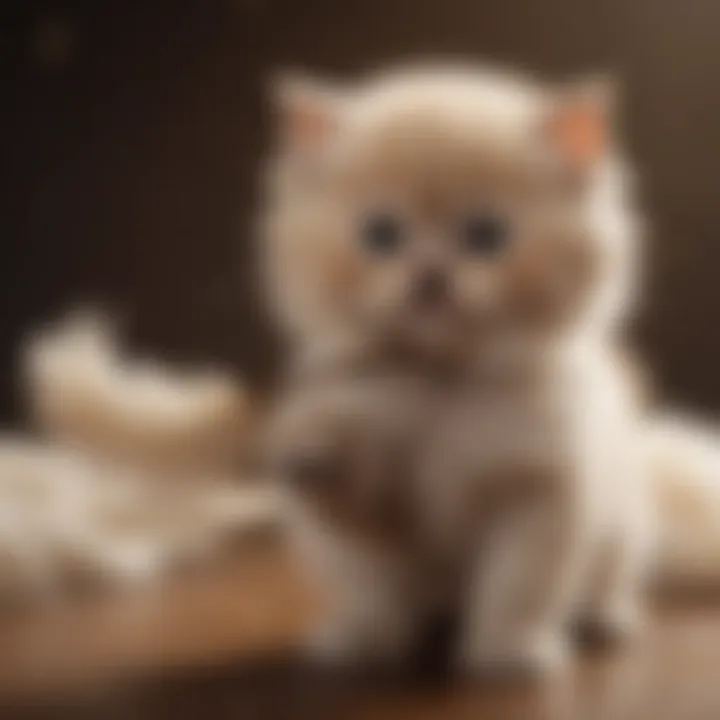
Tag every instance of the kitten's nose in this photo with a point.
(431, 287)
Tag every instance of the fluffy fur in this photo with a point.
(133, 474)
(83, 391)
(67, 517)
(685, 465)
(482, 451)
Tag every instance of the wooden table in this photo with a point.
(217, 643)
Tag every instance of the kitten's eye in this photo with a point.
(486, 235)
(382, 233)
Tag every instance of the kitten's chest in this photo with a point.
(482, 431)
(490, 445)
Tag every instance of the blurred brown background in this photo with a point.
(131, 133)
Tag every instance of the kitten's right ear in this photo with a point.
(579, 126)
(308, 112)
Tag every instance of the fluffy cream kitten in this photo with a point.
(452, 255)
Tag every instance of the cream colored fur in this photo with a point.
(134, 473)
(525, 471)
(685, 458)
(84, 391)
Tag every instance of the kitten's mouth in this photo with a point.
(432, 314)
(436, 323)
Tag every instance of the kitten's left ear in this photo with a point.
(308, 112)
(580, 122)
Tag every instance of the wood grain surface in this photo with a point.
(220, 643)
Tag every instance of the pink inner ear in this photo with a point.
(579, 132)
(309, 126)
(308, 113)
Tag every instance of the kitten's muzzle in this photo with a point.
(431, 289)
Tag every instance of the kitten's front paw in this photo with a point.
(345, 646)
(331, 644)
(547, 657)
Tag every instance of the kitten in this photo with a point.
(451, 253)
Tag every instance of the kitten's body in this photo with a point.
(523, 505)
(479, 454)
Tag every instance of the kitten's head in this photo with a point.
(443, 209)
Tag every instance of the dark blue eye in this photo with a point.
(485, 235)
(382, 233)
